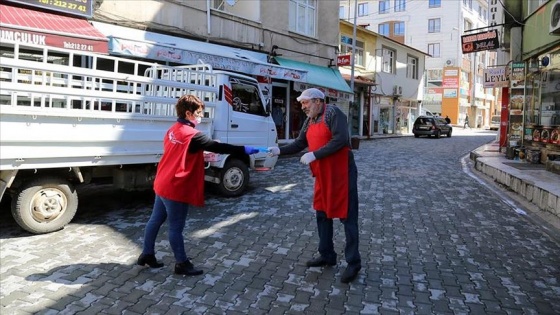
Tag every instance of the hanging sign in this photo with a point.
(343, 60)
(480, 42)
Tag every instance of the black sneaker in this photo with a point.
(320, 262)
(186, 268)
(350, 273)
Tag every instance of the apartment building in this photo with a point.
(453, 80)
(387, 81)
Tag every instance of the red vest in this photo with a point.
(180, 174)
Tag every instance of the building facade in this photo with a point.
(453, 80)
(387, 81)
(287, 45)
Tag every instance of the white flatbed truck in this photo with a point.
(69, 118)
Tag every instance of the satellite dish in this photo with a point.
(231, 2)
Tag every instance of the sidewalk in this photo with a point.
(531, 182)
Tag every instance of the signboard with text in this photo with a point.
(480, 41)
(343, 60)
(495, 77)
(73, 7)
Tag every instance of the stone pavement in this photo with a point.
(434, 240)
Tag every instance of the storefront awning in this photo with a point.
(41, 28)
(126, 41)
(360, 80)
(317, 75)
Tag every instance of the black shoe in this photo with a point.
(350, 273)
(150, 260)
(320, 261)
(186, 268)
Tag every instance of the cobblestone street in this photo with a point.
(433, 241)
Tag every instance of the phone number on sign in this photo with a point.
(78, 46)
(66, 5)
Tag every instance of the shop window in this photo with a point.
(246, 99)
(302, 15)
(249, 9)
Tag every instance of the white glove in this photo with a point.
(307, 158)
(272, 151)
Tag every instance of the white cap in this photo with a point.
(310, 94)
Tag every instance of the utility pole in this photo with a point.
(352, 60)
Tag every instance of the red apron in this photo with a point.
(331, 173)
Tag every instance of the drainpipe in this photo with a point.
(208, 5)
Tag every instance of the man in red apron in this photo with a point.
(325, 134)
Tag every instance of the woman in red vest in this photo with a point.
(179, 182)
(335, 196)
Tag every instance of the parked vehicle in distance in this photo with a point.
(431, 126)
(495, 122)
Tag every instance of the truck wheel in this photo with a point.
(45, 205)
(234, 178)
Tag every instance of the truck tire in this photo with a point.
(234, 178)
(45, 204)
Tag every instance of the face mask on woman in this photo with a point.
(196, 120)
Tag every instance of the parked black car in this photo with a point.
(431, 126)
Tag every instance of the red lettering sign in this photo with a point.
(343, 60)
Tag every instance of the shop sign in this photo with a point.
(125, 47)
(73, 7)
(480, 41)
(450, 93)
(517, 77)
(343, 60)
(52, 40)
(495, 77)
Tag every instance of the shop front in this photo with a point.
(540, 131)
(328, 80)
(31, 26)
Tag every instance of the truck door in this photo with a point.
(249, 123)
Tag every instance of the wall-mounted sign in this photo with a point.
(343, 60)
(480, 42)
(495, 77)
(450, 93)
(74, 7)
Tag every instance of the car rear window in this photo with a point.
(425, 121)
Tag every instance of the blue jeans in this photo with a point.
(177, 213)
(325, 225)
